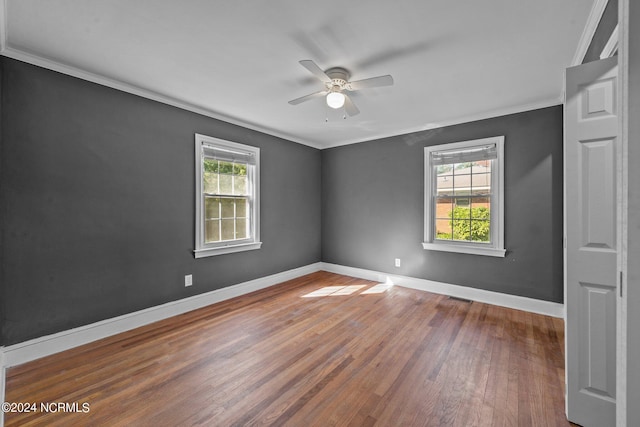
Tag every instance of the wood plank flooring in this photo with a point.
(320, 350)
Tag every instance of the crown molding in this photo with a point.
(589, 30)
(490, 114)
(139, 91)
(3, 25)
(158, 97)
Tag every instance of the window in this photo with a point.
(227, 197)
(464, 206)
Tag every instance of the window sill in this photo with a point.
(221, 250)
(464, 249)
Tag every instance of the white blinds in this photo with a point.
(474, 154)
(228, 155)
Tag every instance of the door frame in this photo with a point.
(623, 204)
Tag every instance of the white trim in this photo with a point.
(3, 32)
(44, 346)
(155, 96)
(480, 295)
(496, 248)
(143, 92)
(589, 30)
(221, 250)
(3, 375)
(464, 249)
(622, 302)
(203, 249)
(490, 114)
(611, 47)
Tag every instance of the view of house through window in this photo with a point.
(463, 201)
(464, 191)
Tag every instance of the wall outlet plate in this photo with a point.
(188, 280)
(398, 262)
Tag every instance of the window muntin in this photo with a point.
(227, 194)
(464, 209)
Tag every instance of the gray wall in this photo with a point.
(605, 27)
(372, 200)
(97, 203)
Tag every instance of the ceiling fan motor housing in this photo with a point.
(339, 78)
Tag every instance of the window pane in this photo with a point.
(444, 206)
(226, 167)
(481, 166)
(240, 169)
(228, 229)
(241, 229)
(211, 207)
(481, 183)
(227, 207)
(240, 185)
(444, 170)
(241, 208)
(443, 229)
(212, 231)
(479, 210)
(210, 182)
(226, 184)
(462, 201)
(462, 168)
(210, 165)
(462, 185)
(480, 230)
(444, 185)
(461, 229)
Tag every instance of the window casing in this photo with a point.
(227, 197)
(464, 197)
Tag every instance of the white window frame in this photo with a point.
(496, 247)
(253, 173)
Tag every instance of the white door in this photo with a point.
(590, 154)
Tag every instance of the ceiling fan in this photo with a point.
(336, 81)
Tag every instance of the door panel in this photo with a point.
(591, 144)
(598, 188)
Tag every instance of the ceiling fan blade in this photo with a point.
(372, 82)
(307, 97)
(350, 107)
(315, 70)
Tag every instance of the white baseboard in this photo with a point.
(504, 300)
(44, 346)
(3, 375)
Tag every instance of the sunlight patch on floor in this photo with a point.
(348, 290)
(334, 291)
(378, 289)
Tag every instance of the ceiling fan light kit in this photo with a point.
(336, 81)
(335, 100)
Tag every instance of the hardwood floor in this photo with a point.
(320, 350)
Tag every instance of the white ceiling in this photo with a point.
(452, 61)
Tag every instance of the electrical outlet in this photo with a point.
(397, 262)
(188, 280)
